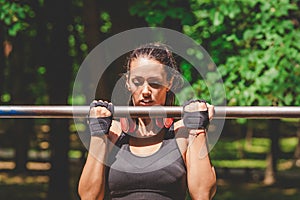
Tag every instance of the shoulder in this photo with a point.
(178, 125)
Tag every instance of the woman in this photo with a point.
(156, 158)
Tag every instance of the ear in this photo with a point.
(127, 83)
(128, 86)
(170, 84)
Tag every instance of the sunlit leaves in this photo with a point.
(106, 26)
(41, 70)
(256, 47)
(158, 12)
(13, 16)
(5, 97)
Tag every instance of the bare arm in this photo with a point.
(201, 175)
(92, 181)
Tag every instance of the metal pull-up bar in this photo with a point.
(228, 112)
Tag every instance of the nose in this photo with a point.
(146, 89)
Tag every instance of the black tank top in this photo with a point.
(160, 176)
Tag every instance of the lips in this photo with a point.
(146, 102)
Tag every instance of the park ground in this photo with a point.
(239, 176)
(231, 185)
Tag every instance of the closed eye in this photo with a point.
(137, 81)
(153, 82)
(155, 85)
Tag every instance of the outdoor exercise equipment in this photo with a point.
(221, 112)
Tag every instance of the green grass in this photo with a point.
(237, 189)
(227, 153)
(288, 144)
(242, 163)
(25, 187)
(237, 153)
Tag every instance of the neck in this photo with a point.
(147, 134)
(147, 141)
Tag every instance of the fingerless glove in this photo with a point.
(195, 119)
(100, 126)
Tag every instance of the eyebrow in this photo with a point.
(151, 77)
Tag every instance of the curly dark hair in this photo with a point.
(162, 53)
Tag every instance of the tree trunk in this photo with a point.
(121, 21)
(2, 62)
(59, 175)
(249, 134)
(93, 37)
(22, 129)
(272, 157)
(58, 75)
(91, 21)
(19, 88)
(297, 151)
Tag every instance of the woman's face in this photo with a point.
(147, 82)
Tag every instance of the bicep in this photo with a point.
(201, 174)
(92, 180)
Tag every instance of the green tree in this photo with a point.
(13, 16)
(15, 56)
(255, 45)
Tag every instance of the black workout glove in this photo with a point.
(100, 126)
(195, 119)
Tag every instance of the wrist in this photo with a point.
(197, 132)
(99, 126)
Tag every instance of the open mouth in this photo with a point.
(146, 102)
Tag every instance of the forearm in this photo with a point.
(201, 174)
(92, 180)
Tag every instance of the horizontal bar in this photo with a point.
(221, 112)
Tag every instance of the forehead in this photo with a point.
(146, 67)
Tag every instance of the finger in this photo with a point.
(202, 106)
(93, 103)
(211, 111)
(102, 112)
(99, 108)
(192, 107)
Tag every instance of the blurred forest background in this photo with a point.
(254, 43)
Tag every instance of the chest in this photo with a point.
(162, 172)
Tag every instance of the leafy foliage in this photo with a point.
(13, 16)
(255, 45)
(157, 12)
